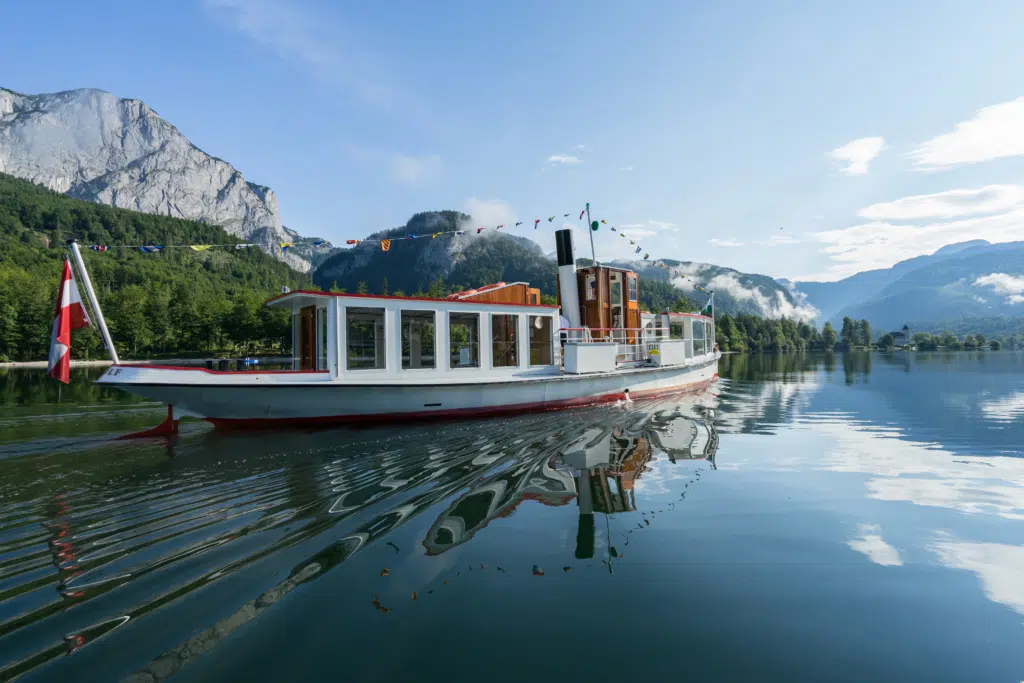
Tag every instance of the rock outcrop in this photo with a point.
(92, 145)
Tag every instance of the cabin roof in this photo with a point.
(486, 289)
(581, 269)
(280, 299)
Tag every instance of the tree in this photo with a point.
(887, 341)
(980, 338)
(995, 344)
(847, 332)
(384, 286)
(362, 288)
(864, 337)
(828, 336)
(970, 342)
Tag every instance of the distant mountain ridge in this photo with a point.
(92, 145)
(973, 279)
(471, 260)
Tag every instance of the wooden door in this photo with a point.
(307, 338)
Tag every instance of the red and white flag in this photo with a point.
(70, 316)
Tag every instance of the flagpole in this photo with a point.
(593, 254)
(100, 322)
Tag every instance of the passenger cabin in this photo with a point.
(493, 331)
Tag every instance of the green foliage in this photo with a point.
(887, 341)
(995, 344)
(173, 302)
(828, 336)
(751, 333)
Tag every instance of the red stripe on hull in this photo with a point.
(494, 411)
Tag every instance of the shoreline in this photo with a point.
(42, 364)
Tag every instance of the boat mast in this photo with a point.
(590, 229)
(100, 322)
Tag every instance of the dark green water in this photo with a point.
(807, 518)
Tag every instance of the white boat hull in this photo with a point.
(240, 399)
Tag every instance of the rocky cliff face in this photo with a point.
(92, 145)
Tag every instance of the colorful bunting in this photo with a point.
(352, 241)
(536, 223)
(581, 213)
(412, 237)
(434, 236)
(150, 248)
(385, 245)
(200, 247)
(519, 223)
(286, 245)
(99, 247)
(551, 218)
(479, 230)
(637, 249)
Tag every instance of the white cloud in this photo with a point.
(662, 225)
(581, 148)
(948, 204)
(1004, 283)
(564, 160)
(626, 168)
(415, 171)
(999, 567)
(488, 213)
(996, 131)
(637, 233)
(871, 544)
(857, 155)
(727, 242)
(776, 240)
(770, 306)
(880, 244)
(629, 226)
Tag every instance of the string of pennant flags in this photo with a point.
(386, 242)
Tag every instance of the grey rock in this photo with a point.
(94, 146)
(165, 667)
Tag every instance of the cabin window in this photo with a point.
(632, 288)
(676, 329)
(591, 286)
(504, 340)
(540, 340)
(698, 338)
(366, 349)
(418, 340)
(321, 337)
(464, 340)
(616, 291)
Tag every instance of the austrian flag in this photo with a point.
(70, 316)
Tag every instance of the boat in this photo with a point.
(493, 350)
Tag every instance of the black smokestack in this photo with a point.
(563, 244)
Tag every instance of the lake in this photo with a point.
(807, 518)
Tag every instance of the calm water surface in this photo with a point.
(807, 518)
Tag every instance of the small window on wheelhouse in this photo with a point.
(418, 340)
(464, 340)
(698, 338)
(321, 338)
(365, 347)
(632, 288)
(504, 340)
(541, 342)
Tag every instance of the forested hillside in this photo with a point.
(174, 301)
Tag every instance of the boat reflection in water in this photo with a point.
(598, 469)
(227, 525)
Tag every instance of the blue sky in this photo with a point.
(869, 132)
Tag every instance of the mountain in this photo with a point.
(94, 146)
(960, 282)
(471, 260)
(177, 301)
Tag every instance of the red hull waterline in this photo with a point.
(460, 413)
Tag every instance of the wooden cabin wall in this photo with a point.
(513, 294)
